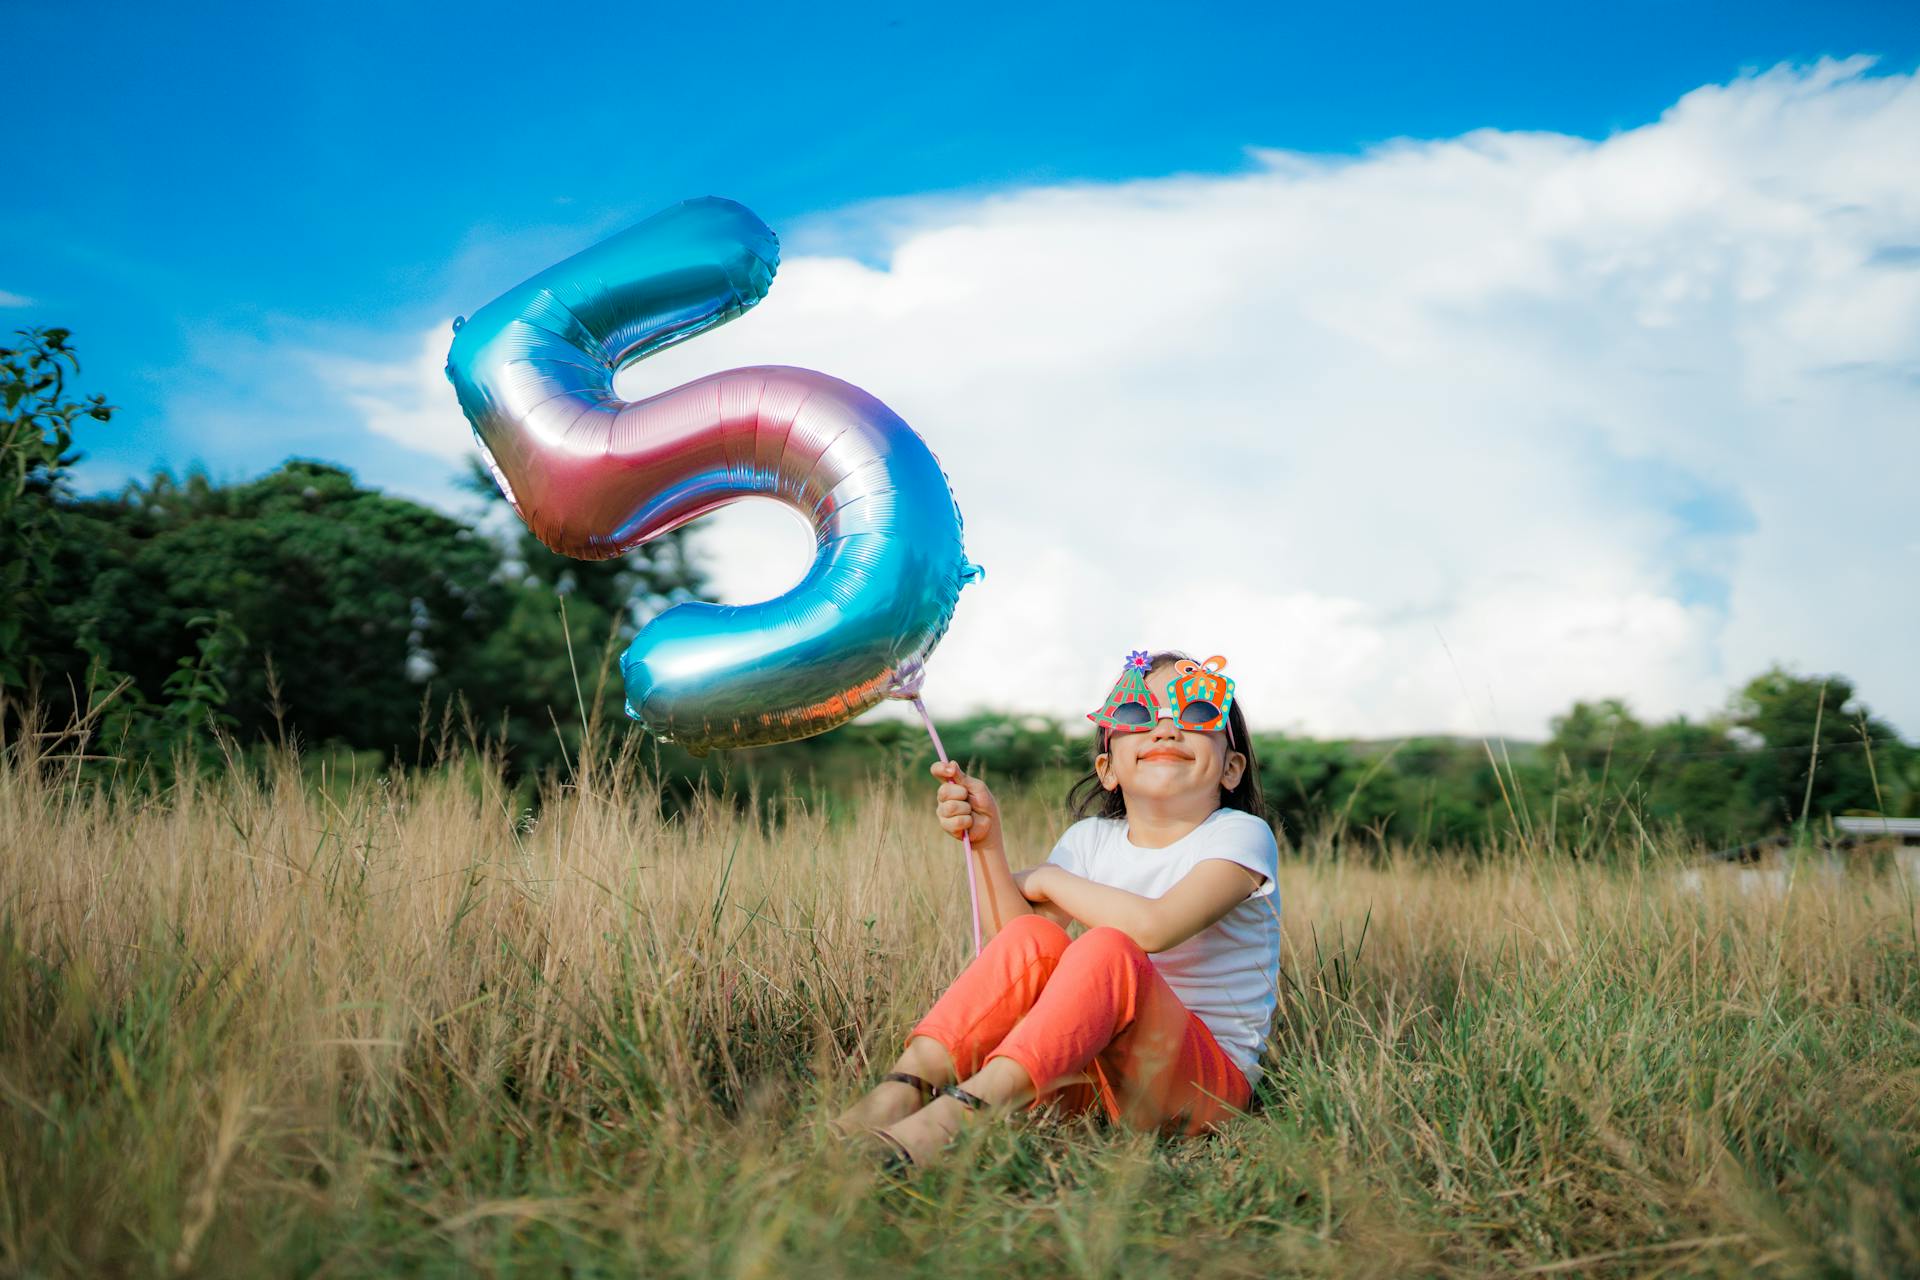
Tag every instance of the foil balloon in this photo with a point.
(594, 476)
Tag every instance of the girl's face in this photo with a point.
(1167, 764)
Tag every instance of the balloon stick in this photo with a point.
(966, 837)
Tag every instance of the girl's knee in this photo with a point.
(1038, 932)
(1115, 946)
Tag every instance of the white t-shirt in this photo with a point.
(1229, 972)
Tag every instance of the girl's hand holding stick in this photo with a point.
(965, 806)
(967, 810)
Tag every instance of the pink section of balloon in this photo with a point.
(594, 476)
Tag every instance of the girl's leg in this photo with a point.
(1108, 1013)
(974, 1014)
(992, 994)
(1107, 1027)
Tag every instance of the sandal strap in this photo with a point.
(890, 1154)
(965, 1099)
(926, 1088)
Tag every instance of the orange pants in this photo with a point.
(1091, 1020)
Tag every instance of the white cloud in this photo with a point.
(1437, 438)
(10, 299)
(409, 402)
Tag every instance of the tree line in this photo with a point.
(299, 603)
(180, 619)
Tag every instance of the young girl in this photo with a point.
(1158, 1011)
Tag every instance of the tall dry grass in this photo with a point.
(250, 1025)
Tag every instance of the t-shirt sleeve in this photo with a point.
(1244, 839)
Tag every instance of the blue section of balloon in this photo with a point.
(594, 476)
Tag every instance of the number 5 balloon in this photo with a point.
(594, 476)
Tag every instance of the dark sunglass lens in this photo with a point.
(1198, 713)
(1132, 714)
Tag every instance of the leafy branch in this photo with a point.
(37, 420)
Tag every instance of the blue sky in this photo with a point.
(259, 167)
(257, 221)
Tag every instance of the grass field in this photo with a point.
(392, 1025)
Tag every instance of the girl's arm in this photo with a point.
(966, 807)
(1043, 908)
(1202, 896)
(1000, 898)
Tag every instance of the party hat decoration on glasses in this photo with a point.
(1130, 705)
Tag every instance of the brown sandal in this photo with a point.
(926, 1088)
(891, 1153)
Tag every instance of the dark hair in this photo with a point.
(1088, 799)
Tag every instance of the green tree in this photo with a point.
(298, 599)
(1592, 736)
(1737, 776)
(1789, 714)
(1897, 771)
(37, 420)
(343, 609)
(1304, 782)
(564, 620)
(1696, 777)
(1448, 790)
(356, 599)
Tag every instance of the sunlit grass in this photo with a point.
(252, 1025)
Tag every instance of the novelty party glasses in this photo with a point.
(1198, 697)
